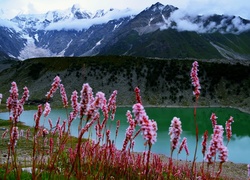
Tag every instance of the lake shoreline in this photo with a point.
(172, 106)
(147, 106)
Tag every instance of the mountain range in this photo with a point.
(159, 31)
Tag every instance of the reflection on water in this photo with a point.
(239, 146)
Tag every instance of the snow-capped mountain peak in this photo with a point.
(68, 18)
(157, 6)
(78, 32)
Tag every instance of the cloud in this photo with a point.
(185, 17)
(9, 24)
(226, 7)
(14, 7)
(239, 8)
(239, 25)
(80, 24)
(184, 21)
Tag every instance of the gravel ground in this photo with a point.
(230, 170)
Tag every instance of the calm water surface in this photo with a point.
(239, 146)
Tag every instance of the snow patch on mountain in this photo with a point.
(32, 51)
(91, 51)
(63, 51)
(36, 37)
(117, 26)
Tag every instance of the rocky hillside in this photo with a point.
(162, 82)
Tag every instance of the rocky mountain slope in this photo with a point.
(158, 31)
(162, 82)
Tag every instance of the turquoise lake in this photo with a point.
(239, 146)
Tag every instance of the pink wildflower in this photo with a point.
(204, 142)
(100, 100)
(229, 128)
(64, 96)
(50, 123)
(45, 132)
(9, 103)
(74, 103)
(213, 119)
(137, 95)
(63, 126)
(223, 153)
(14, 136)
(60, 133)
(175, 131)
(184, 145)
(108, 135)
(215, 143)
(13, 104)
(16, 112)
(47, 109)
(195, 79)
(86, 99)
(25, 96)
(129, 131)
(54, 87)
(98, 130)
(4, 133)
(38, 115)
(139, 113)
(12, 101)
(112, 104)
(149, 128)
(14, 91)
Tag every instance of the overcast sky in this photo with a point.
(10, 8)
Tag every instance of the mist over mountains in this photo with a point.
(158, 31)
